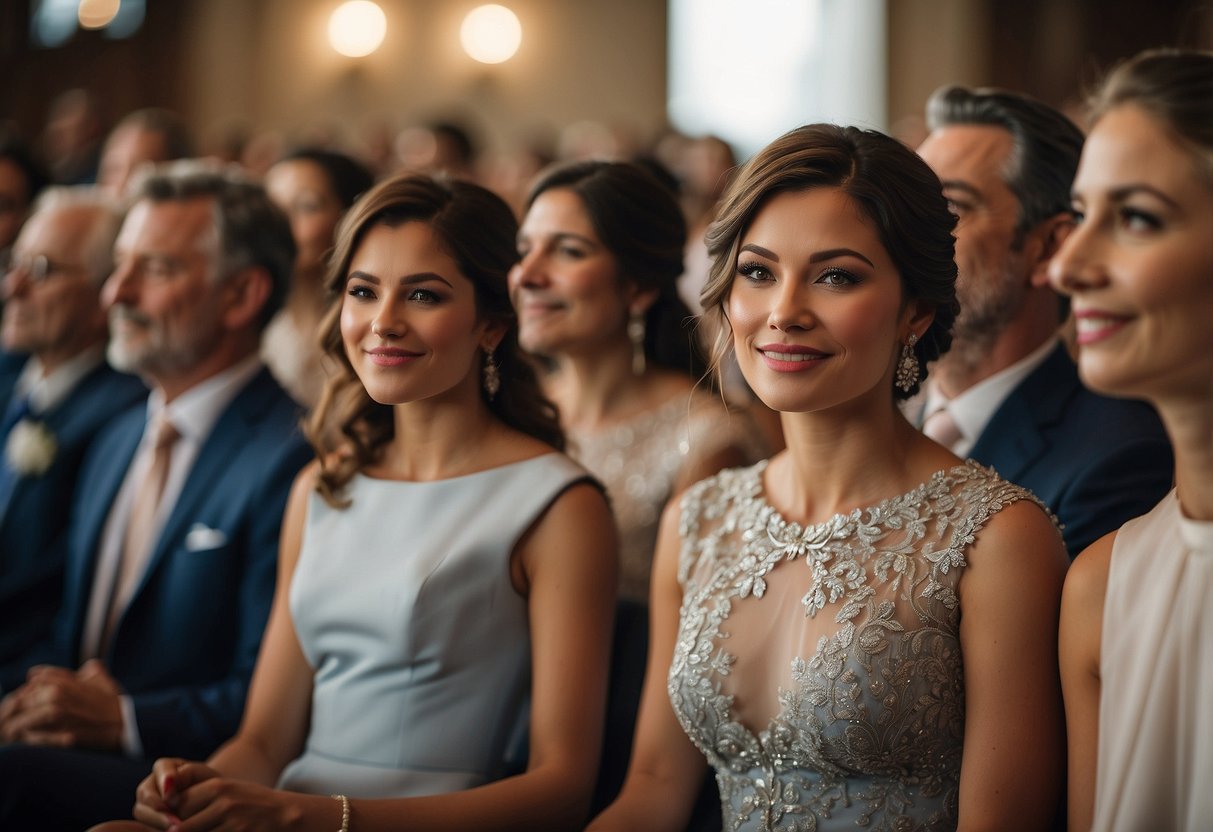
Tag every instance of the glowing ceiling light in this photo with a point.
(97, 14)
(491, 34)
(357, 28)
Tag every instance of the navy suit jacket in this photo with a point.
(1095, 461)
(185, 647)
(32, 529)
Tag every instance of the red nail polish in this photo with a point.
(170, 785)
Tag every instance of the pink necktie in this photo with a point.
(142, 524)
(941, 427)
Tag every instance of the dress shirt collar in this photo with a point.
(49, 391)
(194, 412)
(973, 409)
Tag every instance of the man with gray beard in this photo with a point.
(1007, 394)
(173, 532)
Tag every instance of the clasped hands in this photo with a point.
(67, 708)
(181, 796)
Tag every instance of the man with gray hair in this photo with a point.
(1007, 394)
(174, 529)
(56, 393)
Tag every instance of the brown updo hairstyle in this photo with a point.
(639, 221)
(893, 189)
(1175, 87)
(348, 429)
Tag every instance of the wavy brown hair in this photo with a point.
(892, 187)
(348, 429)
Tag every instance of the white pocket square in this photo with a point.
(202, 537)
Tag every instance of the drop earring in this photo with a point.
(636, 336)
(492, 378)
(907, 367)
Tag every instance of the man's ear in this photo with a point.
(244, 296)
(1051, 234)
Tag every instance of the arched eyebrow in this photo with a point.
(405, 280)
(816, 257)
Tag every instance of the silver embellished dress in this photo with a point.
(819, 668)
(640, 461)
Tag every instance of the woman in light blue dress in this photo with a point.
(445, 571)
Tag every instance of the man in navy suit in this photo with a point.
(1007, 394)
(56, 392)
(174, 528)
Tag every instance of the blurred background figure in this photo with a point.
(439, 147)
(601, 248)
(56, 391)
(22, 178)
(142, 138)
(71, 140)
(315, 188)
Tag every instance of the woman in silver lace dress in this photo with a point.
(601, 250)
(862, 631)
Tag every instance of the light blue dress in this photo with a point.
(403, 605)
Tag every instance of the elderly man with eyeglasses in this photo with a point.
(56, 392)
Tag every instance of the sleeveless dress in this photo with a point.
(403, 606)
(640, 460)
(827, 691)
(1155, 764)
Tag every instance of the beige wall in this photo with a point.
(269, 63)
(931, 43)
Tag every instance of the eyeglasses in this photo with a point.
(37, 267)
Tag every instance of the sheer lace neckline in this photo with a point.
(936, 483)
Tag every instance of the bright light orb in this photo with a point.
(357, 28)
(491, 34)
(97, 14)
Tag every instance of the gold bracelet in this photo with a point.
(345, 812)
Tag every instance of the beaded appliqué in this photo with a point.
(868, 732)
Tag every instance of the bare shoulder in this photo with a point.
(1020, 536)
(1087, 580)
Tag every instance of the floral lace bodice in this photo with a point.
(819, 668)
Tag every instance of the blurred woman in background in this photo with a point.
(601, 250)
(315, 188)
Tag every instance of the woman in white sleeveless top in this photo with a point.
(445, 570)
(1137, 612)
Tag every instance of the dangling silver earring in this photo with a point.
(492, 378)
(907, 367)
(636, 336)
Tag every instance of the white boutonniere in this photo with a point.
(31, 448)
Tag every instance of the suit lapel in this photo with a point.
(229, 435)
(1016, 436)
(95, 498)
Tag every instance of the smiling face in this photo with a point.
(566, 286)
(409, 321)
(816, 305)
(1139, 266)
